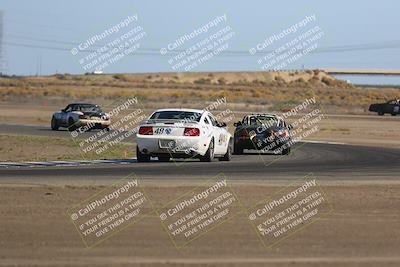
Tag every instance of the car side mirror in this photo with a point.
(236, 124)
(63, 110)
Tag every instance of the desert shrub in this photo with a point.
(316, 71)
(62, 76)
(222, 81)
(202, 81)
(279, 79)
(256, 93)
(327, 81)
(120, 77)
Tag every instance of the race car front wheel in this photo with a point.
(238, 150)
(54, 125)
(71, 125)
(164, 158)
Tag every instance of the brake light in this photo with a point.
(146, 130)
(244, 135)
(191, 132)
(282, 133)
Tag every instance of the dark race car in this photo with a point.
(392, 107)
(267, 132)
(88, 116)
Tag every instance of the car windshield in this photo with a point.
(263, 120)
(176, 115)
(89, 108)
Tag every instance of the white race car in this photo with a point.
(183, 133)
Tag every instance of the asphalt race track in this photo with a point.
(36, 130)
(326, 161)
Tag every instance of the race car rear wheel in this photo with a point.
(54, 125)
(286, 151)
(164, 158)
(228, 154)
(238, 150)
(141, 157)
(209, 156)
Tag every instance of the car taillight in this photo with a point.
(282, 133)
(146, 130)
(244, 135)
(191, 132)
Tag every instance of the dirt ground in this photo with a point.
(362, 230)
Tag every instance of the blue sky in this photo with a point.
(53, 24)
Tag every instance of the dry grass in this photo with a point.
(274, 90)
(42, 148)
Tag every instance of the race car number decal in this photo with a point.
(160, 131)
(222, 139)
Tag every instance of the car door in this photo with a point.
(64, 115)
(389, 107)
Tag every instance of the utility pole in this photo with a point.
(3, 61)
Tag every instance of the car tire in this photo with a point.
(141, 157)
(164, 158)
(393, 114)
(54, 125)
(209, 156)
(381, 113)
(71, 125)
(228, 154)
(238, 150)
(286, 151)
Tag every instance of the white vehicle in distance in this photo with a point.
(183, 133)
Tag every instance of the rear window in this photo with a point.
(89, 108)
(176, 115)
(263, 120)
